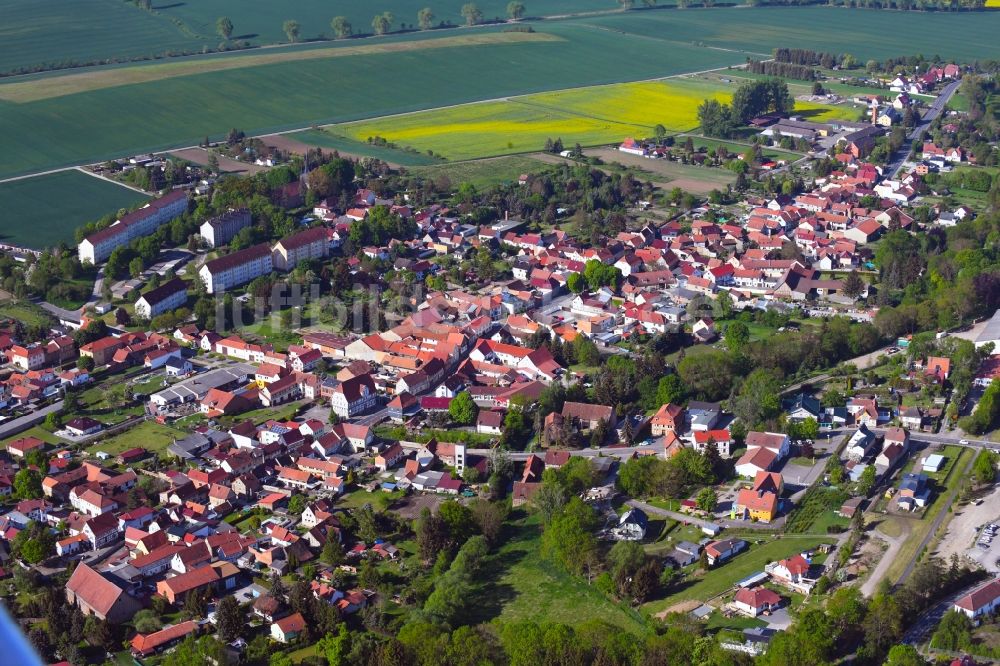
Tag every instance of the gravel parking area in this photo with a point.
(965, 527)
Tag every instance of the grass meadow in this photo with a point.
(482, 173)
(42, 211)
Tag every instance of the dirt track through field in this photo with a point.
(70, 84)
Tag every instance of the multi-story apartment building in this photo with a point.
(309, 244)
(223, 228)
(98, 246)
(236, 268)
(166, 297)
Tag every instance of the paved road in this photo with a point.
(61, 313)
(932, 616)
(14, 426)
(862, 362)
(675, 515)
(935, 110)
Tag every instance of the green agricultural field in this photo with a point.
(180, 111)
(42, 211)
(325, 139)
(64, 34)
(863, 33)
(260, 21)
(143, 111)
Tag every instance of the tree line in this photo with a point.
(782, 69)
(809, 57)
(751, 99)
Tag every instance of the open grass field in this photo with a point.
(148, 434)
(721, 578)
(483, 173)
(521, 585)
(29, 313)
(42, 211)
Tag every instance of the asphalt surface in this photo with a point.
(14, 426)
(935, 110)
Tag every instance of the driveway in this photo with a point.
(882, 568)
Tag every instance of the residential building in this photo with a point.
(354, 396)
(754, 601)
(236, 269)
(721, 551)
(166, 297)
(98, 246)
(983, 600)
(288, 628)
(96, 595)
(669, 417)
(302, 246)
(223, 228)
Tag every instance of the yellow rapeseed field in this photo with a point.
(588, 116)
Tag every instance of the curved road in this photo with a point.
(935, 110)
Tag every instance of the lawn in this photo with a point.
(483, 173)
(521, 585)
(28, 313)
(39, 432)
(920, 528)
(43, 211)
(719, 579)
(150, 435)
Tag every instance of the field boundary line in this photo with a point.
(111, 180)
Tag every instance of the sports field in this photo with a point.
(42, 211)
(588, 116)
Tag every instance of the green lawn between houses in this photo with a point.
(520, 585)
(719, 579)
(150, 435)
